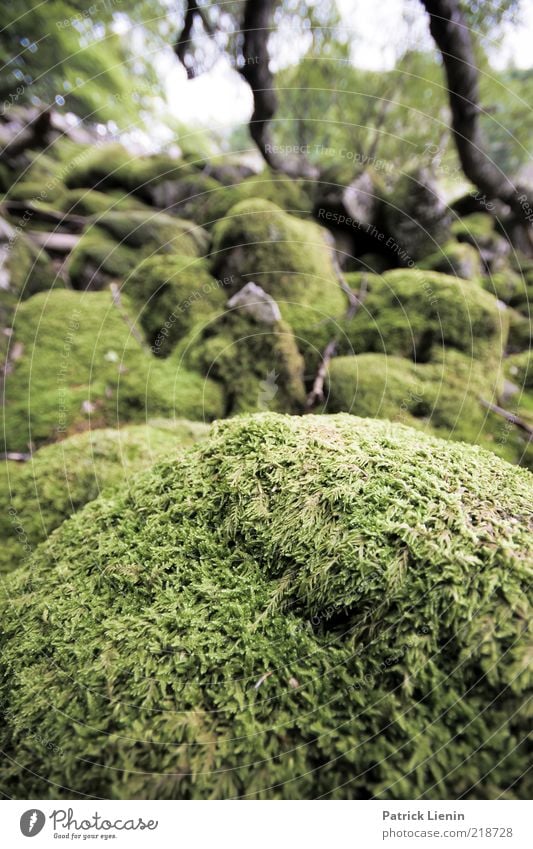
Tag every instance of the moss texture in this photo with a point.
(24, 270)
(457, 258)
(37, 496)
(259, 366)
(113, 167)
(173, 294)
(117, 241)
(315, 606)
(414, 313)
(441, 398)
(80, 364)
(291, 260)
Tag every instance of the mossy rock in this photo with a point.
(113, 167)
(259, 366)
(37, 496)
(89, 202)
(442, 398)
(519, 368)
(416, 215)
(81, 364)
(291, 260)
(476, 229)
(173, 294)
(457, 258)
(520, 333)
(24, 270)
(118, 241)
(414, 313)
(307, 607)
(205, 200)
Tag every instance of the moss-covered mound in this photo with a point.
(113, 167)
(457, 258)
(77, 361)
(290, 259)
(307, 606)
(24, 270)
(173, 294)
(413, 313)
(116, 242)
(444, 397)
(37, 496)
(258, 365)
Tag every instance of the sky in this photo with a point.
(221, 98)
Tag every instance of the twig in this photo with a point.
(510, 417)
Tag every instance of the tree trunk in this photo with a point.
(451, 34)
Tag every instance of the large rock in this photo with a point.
(309, 606)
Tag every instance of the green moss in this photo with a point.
(519, 368)
(37, 496)
(457, 258)
(414, 313)
(89, 202)
(205, 200)
(441, 398)
(309, 606)
(113, 167)
(291, 260)
(81, 365)
(173, 294)
(24, 270)
(118, 241)
(520, 332)
(477, 229)
(258, 365)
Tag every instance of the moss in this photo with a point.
(416, 215)
(477, 230)
(457, 258)
(24, 270)
(441, 398)
(205, 200)
(520, 332)
(519, 368)
(113, 167)
(37, 496)
(172, 294)
(118, 241)
(414, 313)
(258, 365)
(291, 260)
(89, 202)
(81, 365)
(309, 606)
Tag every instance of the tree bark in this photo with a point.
(451, 34)
(255, 69)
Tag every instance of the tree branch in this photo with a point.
(451, 34)
(255, 69)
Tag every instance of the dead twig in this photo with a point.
(510, 417)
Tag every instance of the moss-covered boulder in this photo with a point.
(205, 200)
(416, 215)
(257, 363)
(520, 369)
(172, 294)
(308, 606)
(24, 270)
(414, 313)
(114, 167)
(445, 397)
(291, 260)
(457, 258)
(37, 496)
(115, 243)
(82, 363)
